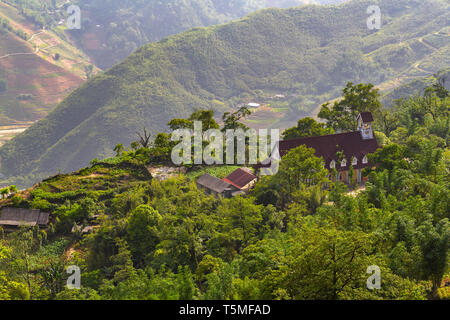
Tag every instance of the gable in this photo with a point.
(350, 143)
(240, 178)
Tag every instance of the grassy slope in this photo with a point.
(310, 50)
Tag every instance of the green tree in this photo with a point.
(9, 289)
(434, 242)
(231, 120)
(22, 243)
(356, 99)
(327, 263)
(439, 87)
(119, 149)
(307, 127)
(142, 232)
(4, 192)
(206, 117)
(299, 173)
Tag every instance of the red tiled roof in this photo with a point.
(240, 178)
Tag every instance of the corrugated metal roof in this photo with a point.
(213, 183)
(21, 216)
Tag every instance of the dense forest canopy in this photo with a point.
(156, 239)
(307, 53)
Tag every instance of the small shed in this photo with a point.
(15, 217)
(215, 186)
(242, 178)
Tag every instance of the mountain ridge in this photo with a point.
(216, 67)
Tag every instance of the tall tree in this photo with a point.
(356, 99)
(307, 127)
(231, 120)
(142, 235)
(434, 242)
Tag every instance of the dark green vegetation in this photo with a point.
(5, 26)
(307, 53)
(295, 240)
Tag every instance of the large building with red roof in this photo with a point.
(355, 146)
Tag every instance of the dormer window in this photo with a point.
(333, 164)
(354, 161)
(344, 163)
(365, 160)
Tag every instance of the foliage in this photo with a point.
(296, 235)
(219, 68)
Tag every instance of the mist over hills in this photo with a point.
(305, 53)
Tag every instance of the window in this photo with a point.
(333, 164)
(354, 161)
(344, 163)
(365, 160)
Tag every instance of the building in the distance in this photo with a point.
(238, 182)
(11, 218)
(355, 146)
(215, 186)
(242, 179)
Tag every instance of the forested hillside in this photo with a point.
(111, 30)
(114, 29)
(296, 236)
(305, 53)
(416, 86)
(34, 36)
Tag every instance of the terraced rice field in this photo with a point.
(8, 132)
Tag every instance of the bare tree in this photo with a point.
(144, 140)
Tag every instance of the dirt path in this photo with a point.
(26, 53)
(429, 46)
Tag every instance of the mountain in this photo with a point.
(38, 68)
(40, 63)
(112, 30)
(416, 86)
(304, 53)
